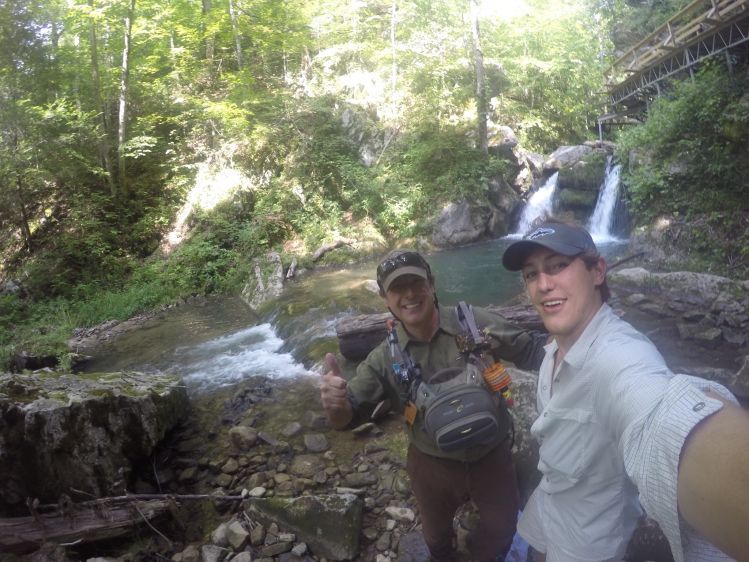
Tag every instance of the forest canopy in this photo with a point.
(238, 125)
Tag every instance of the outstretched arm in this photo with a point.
(713, 485)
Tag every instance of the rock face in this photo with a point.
(266, 282)
(461, 223)
(701, 301)
(581, 173)
(63, 431)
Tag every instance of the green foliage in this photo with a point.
(200, 267)
(553, 73)
(689, 160)
(445, 164)
(313, 84)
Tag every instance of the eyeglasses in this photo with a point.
(389, 265)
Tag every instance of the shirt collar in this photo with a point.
(448, 324)
(579, 350)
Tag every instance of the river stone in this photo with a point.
(358, 479)
(243, 437)
(275, 549)
(281, 478)
(257, 479)
(314, 420)
(306, 466)
(316, 442)
(257, 535)
(219, 536)
(400, 513)
(330, 525)
(291, 429)
(212, 553)
(412, 548)
(257, 492)
(223, 480)
(85, 431)
(231, 466)
(191, 554)
(383, 542)
(237, 535)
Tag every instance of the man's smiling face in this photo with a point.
(563, 291)
(411, 299)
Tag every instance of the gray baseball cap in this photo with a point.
(399, 263)
(565, 239)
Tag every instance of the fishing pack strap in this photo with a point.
(467, 321)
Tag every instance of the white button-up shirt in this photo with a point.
(613, 419)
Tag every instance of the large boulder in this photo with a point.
(461, 223)
(266, 282)
(566, 156)
(329, 524)
(62, 431)
(586, 174)
(702, 303)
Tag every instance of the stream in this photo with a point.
(219, 341)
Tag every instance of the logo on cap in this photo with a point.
(540, 233)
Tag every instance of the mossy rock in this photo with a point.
(577, 200)
(585, 175)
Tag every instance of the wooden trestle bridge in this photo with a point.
(703, 29)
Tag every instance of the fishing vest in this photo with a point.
(457, 408)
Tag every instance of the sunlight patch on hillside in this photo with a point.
(211, 187)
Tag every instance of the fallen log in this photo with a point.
(325, 248)
(90, 521)
(358, 335)
(104, 518)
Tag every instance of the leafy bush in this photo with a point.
(690, 160)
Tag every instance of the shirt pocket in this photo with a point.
(564, 437)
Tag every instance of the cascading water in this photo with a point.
(601, 222)
(602, 219)
(540, 204)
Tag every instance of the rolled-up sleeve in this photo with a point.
(651, 446)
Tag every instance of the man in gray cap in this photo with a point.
(440, 479)
(617, 429)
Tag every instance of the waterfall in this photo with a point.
(601, 220)
(539, 205)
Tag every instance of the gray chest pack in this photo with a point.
(457, 408)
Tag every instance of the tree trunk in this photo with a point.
(478, 60)
(124, 83)
(394, 70)
(103, 148)
(210, 39)
(237, 36)
(25, 229)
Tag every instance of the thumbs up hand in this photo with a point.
(333, 395)
(333, 386)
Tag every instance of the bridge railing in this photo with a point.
(698, 18)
